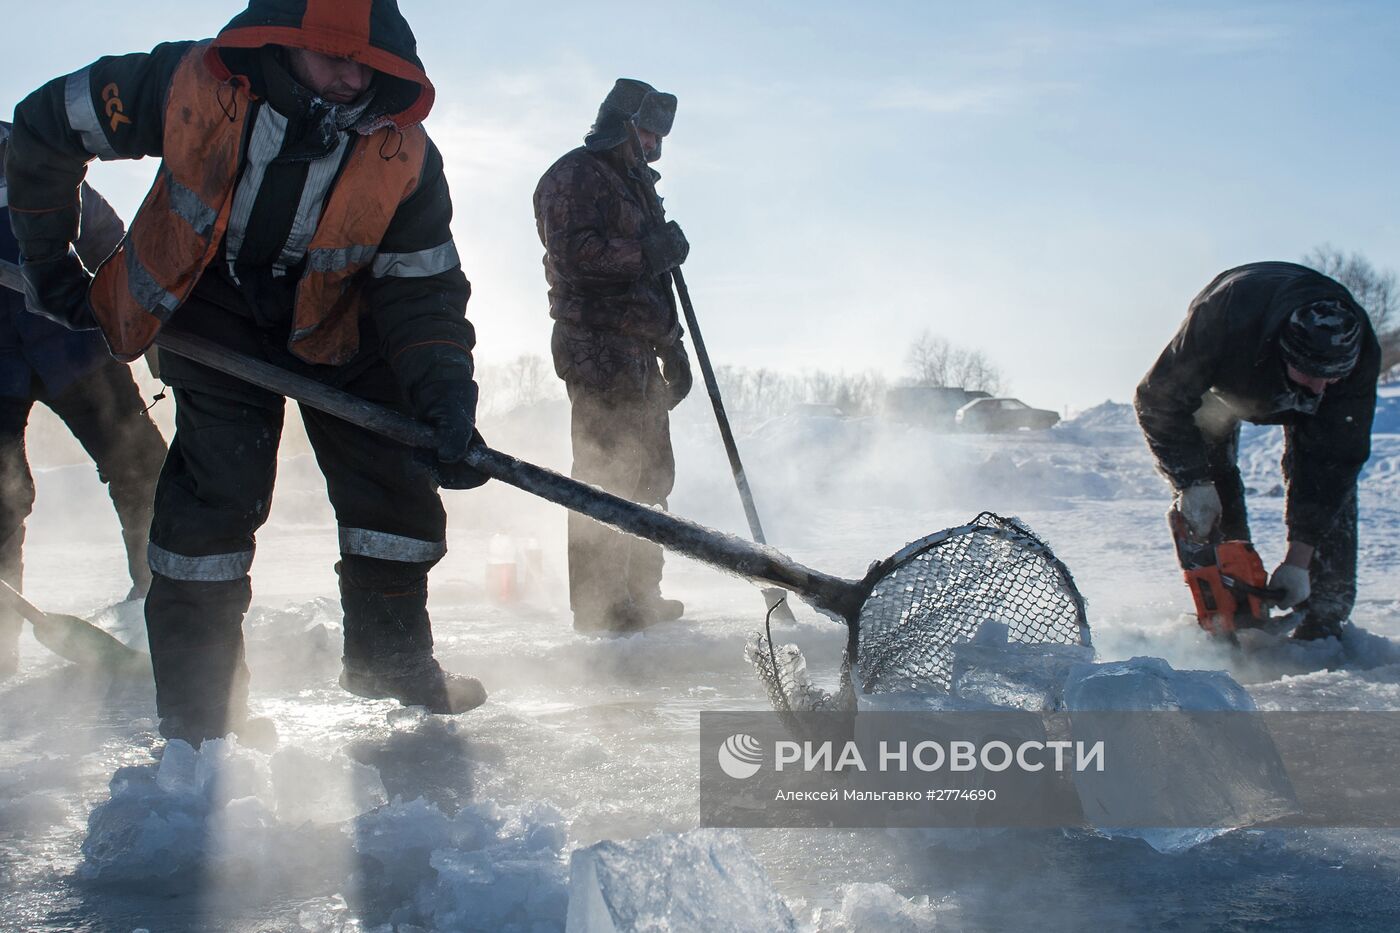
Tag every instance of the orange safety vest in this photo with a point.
(180, 226)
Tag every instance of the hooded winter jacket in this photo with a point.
(326, 213)
(1227, 349)
(611, 309)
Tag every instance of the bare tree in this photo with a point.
(933, 361)
(1376, 289)
(928, 360)
(972, 370)
(528, 372)
(525, 380)
(766, 393)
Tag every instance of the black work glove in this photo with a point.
(56, 287)
(456, 474)
(449, 406)
(665, 248)
(675, 369)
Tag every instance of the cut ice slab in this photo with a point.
(1019, 675)
(1233, 772)
(705, 880)
(1140, 684)
(991, 672)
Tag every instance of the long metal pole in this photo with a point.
(751, 560)
(754, 561)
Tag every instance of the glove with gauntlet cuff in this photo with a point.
(665, 248)
(675, 369)
(445, 398)
(56, 287)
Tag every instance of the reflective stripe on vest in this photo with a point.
(181, 224)
(269, 130)
(330, 300)
(313, 198)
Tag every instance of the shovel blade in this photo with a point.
(75, 639)
(86, 645)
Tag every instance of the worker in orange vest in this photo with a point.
(300, 215)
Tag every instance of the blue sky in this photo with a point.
(1050, 183)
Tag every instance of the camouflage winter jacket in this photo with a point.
(612, 314)
(1224, 365)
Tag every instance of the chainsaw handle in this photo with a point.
(1268, 594)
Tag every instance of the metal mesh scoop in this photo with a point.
(939, 591)
(933, 594)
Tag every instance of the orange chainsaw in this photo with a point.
(1227, 580)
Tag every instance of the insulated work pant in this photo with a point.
(622, 444)
(104, 411)
(215, 492)
(1333, 570)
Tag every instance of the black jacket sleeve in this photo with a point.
(1326, 451)
(417, 290)
(112, 109)
(1171, 392)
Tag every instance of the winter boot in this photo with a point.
(645, 563)
(661, 609)
(413, 680)
(622, 618)
(195, 630)
(389, 639)
(1316, 630)
(253, 732)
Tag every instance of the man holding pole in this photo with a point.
(616, 344)
(301, 217)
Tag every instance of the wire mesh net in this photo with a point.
(783, 670)
(939, 591)
(932, 595)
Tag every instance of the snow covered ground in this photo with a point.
(370, 817)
